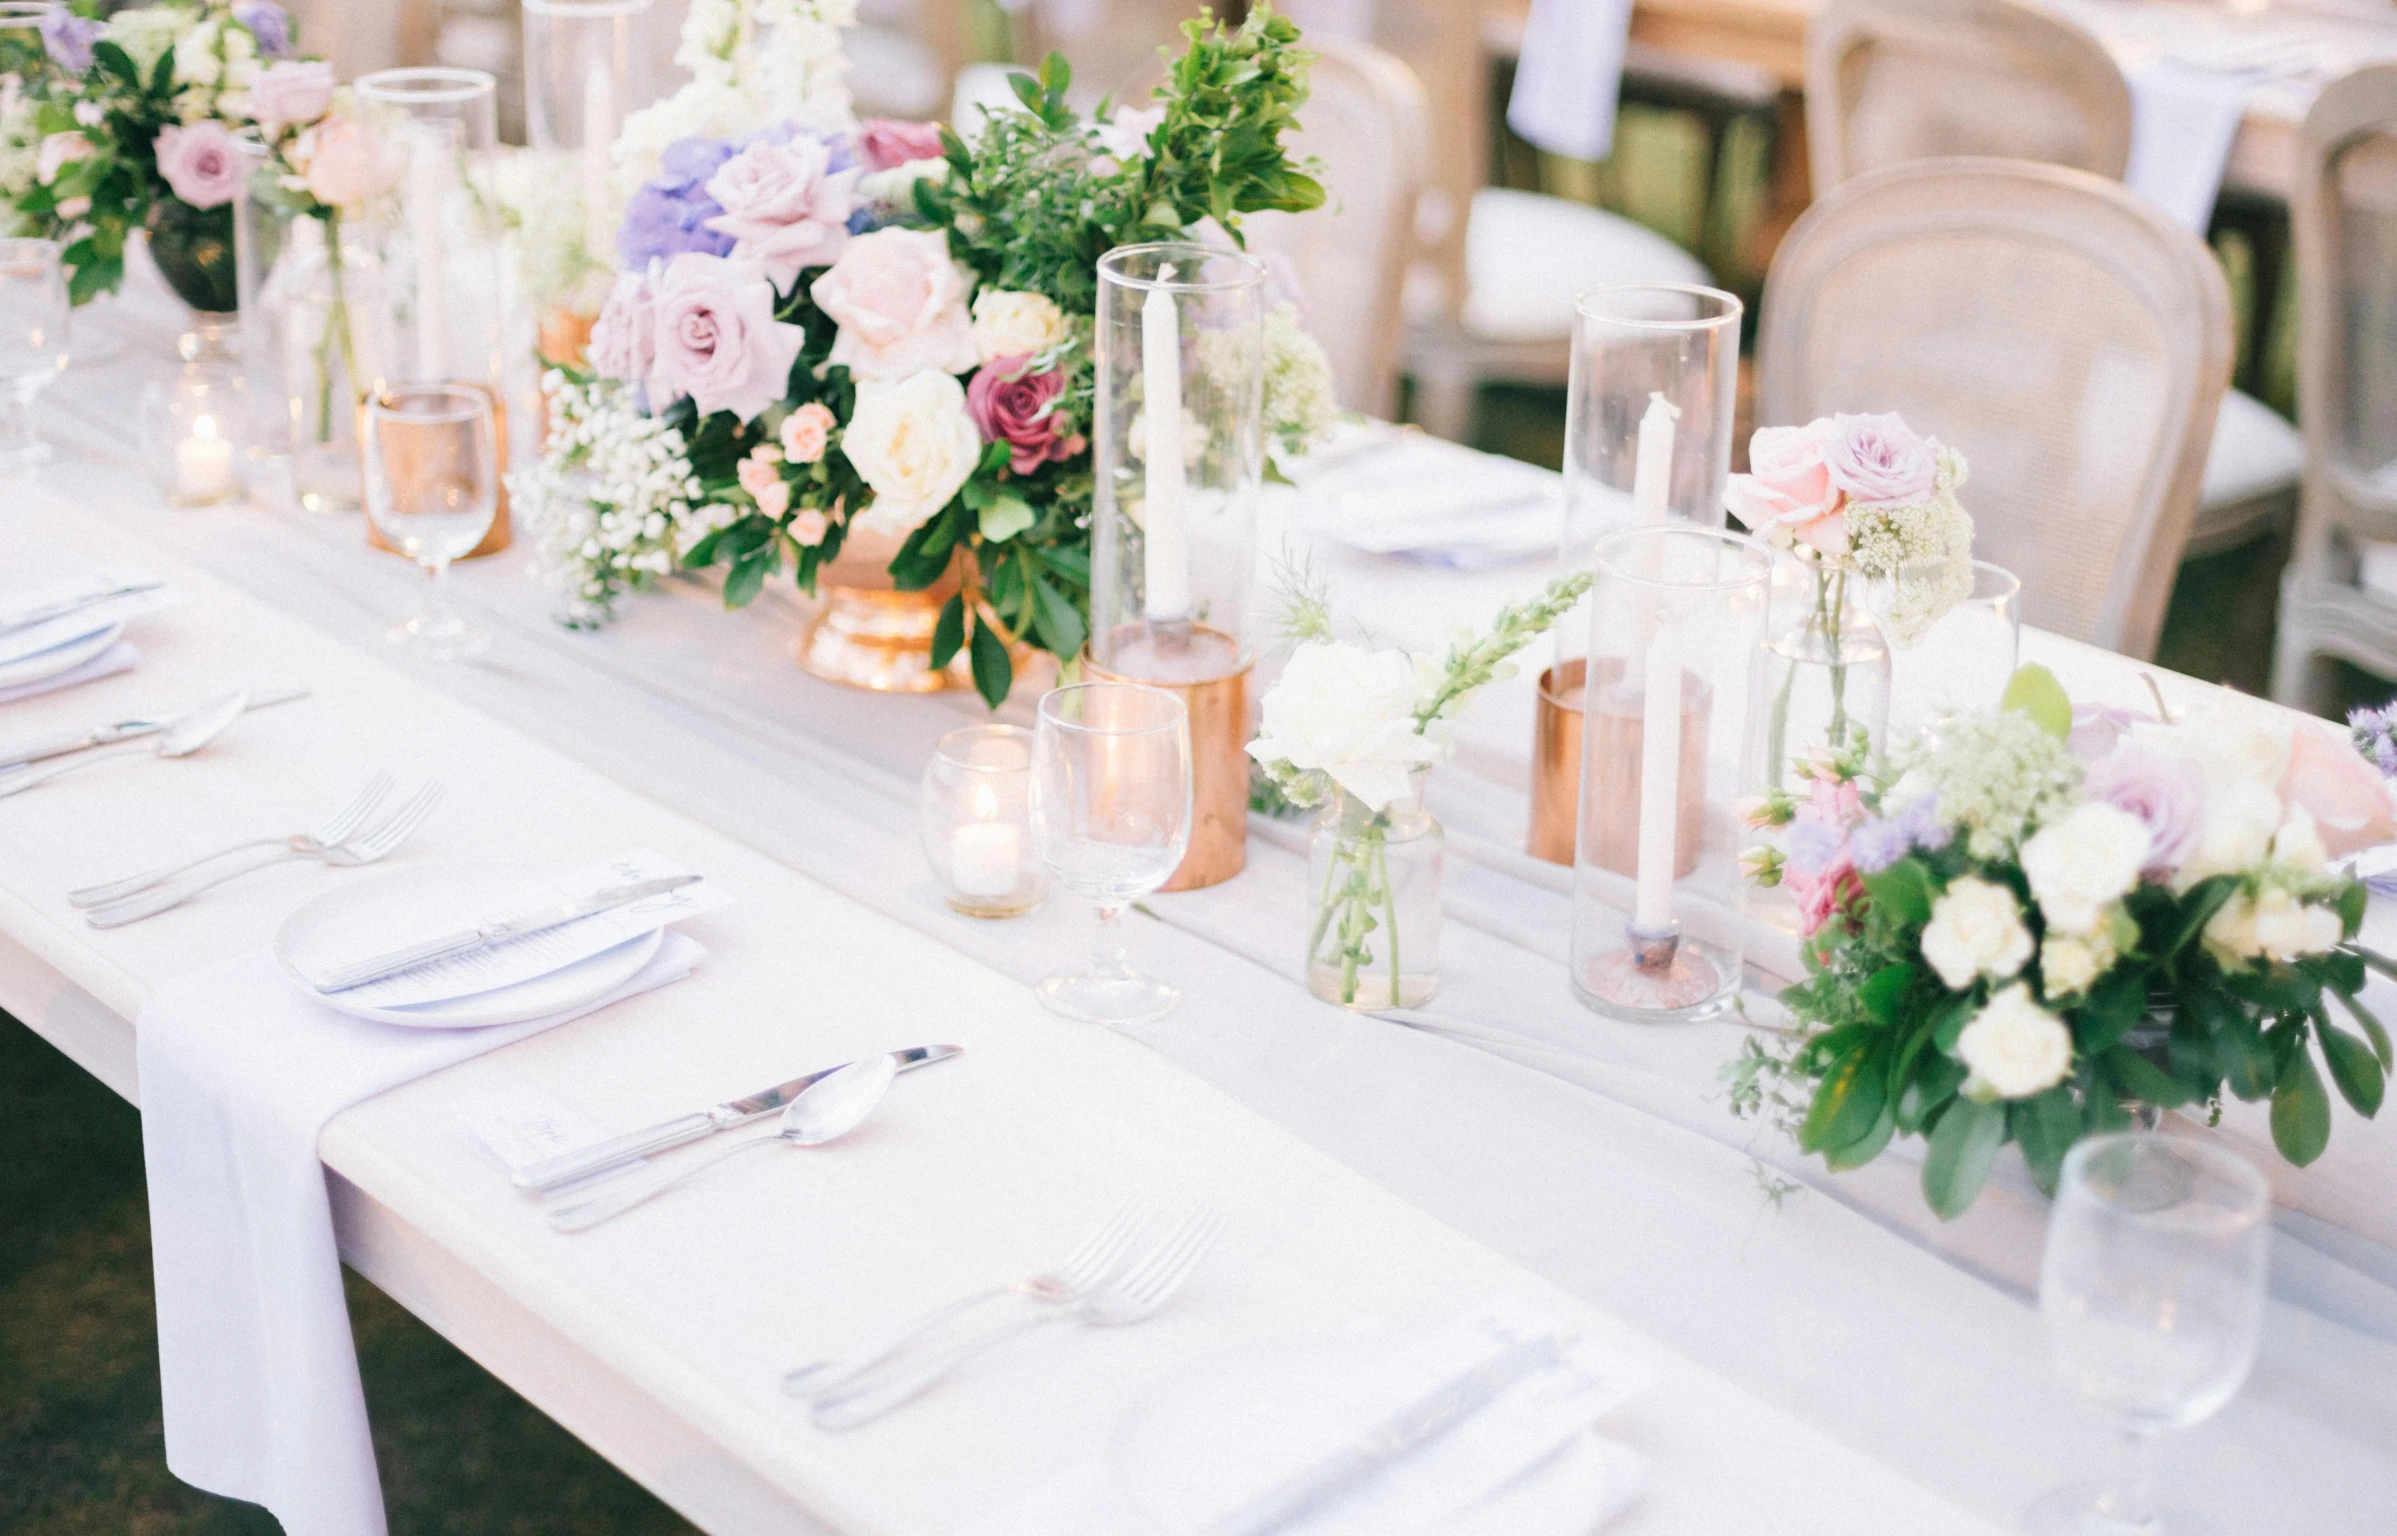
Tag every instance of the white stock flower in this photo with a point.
(2236, 833)
(1976, 929)
(2015, 1047)
(1011, 323)
(2278, 926)
(1349, 712)
(2083, 862)
(914, 442)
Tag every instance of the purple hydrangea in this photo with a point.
(69, 38)
(669, 214)
(269, 23)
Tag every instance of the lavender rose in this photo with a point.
(669, 214)
(68, 38)
(885, 142)
(1880, 459)
(292, 93)
(624, 338)
(717, 339)
(786, 204)
(2163, 790)
(269, 23)
(1019, 409)
(197, 162)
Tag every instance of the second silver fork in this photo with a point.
(315, 840)
(361, 848)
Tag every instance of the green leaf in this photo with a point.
(1885, 990)
(2372, 1029)
(2198, 908)
(994, 674)
(2242, 1057)
(1903, 891)
(1061, 627)
(1948, 1021)
(748, 575)
(1864, 1148)
(2353, 1067)
(2141, 1079)
(1963, 1145)
(948, 632)
(2300, 1111)
(2114, 1005)
(1004, 517)
(2034, 691)
(1846, 1104)
(2352, 902)
(2045, 1126)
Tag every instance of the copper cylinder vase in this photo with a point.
(1556, 764)
(1217, 703)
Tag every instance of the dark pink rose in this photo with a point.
(886, 141)
(1017, 408)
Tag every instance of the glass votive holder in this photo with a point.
(977, 821)
(1960, 661)
(193, 424)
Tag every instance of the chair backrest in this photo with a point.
(1365, 123)
(1895, 80)
(2070, 340)
(2343, 227)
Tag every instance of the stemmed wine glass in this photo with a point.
(1111, 816)
(2152, 1291)
(432, 487)
(33, 343)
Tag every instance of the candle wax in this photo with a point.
(985, 858)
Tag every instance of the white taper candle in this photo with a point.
(1165, 537)
(1660, 783)
(428, 195)
(599, 136)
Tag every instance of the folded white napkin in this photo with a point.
(1568, 74)
(119, 657)
(2183, 120)
(1406, 494)
(239, 1073)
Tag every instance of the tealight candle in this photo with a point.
(986, 857)
(977, 821)
(203, 464)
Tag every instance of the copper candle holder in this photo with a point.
(1208, 671)
(1556, 769)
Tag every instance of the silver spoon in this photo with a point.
(825, 1112)
(180, 737)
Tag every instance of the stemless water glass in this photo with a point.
(1111, 816)
(2152, 1291)
(432, 484)
(33, 343)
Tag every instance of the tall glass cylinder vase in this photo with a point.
(1677, 618)
(439, 130)
(586, 65)
(1179, 454)
(1649, 398)
(316, 342)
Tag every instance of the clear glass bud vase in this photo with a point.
(1374, 936)
(1826, 669)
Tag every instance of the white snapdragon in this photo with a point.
(1976, 930)
(2085, 861)
(2014, 1047)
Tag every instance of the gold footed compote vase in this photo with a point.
(863, 632)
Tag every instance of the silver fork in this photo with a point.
(340, 826)
(1071, 1280)
(363, 848)
(1131, 1297)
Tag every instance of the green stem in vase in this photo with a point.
(1381, 861)
(1831, 595)
(336, 334)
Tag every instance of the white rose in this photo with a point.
(1976, 929)
(2287, 929)
(196, 62)
(915, 444)
(1350, 712)
(2015, 1047)
(2079, 864)
(2236, 834)
(2070, 964)
(2233, 740)
(1008, 323)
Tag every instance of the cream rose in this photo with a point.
(1350, 713)
(1976, 930)
(2235, 835)
(2015, 1047)
(2071, 963)
(2272, 924)
(914, 443)
(2083, 862)
(1008, 323)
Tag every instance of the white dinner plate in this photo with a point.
(60, 658)
(386, 910)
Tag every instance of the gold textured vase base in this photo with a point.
(880, 641)
(1212, 683)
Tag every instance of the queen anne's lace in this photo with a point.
(1924, 550)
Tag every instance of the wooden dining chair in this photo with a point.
(2067, 337)
(1889, 81)
(2344, 229)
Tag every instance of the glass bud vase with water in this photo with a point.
(1826, 667)
(1374, 939)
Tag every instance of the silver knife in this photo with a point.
(467, 940)
(109, 735)
(600, 1156)
(18, 618)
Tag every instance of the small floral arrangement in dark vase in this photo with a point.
(135, 130)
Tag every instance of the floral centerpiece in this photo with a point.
(2021, 924)
(825, 338)
(1357, 732)
(1856, 500)
(136, 132)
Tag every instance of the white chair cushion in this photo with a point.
(1527, 255)
(2255, 453)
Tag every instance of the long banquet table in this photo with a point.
(1831, 1359)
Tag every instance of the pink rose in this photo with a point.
(761, 476)
(624, 338)
(1880, 459)
(2331, 782)
(292, 93)
(884, 142)
(785, 206)
(58, 151)
(806, 432)
(344, 160)
(198, 163)
(900, 303)
(1012, 407)
(717, 338)
(1823, 895)
(810, 526)
(1787, 493)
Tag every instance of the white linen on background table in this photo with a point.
(259, 1377)
(119, 657)
(1569, 74)
(2183, 120)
